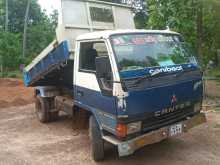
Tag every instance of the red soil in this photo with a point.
(14, 93)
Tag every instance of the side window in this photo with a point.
(101, 14)
(88, 53)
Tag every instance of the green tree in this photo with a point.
(178, 15)
(197, 20)
(10, 48)
(211, 31)
(17, 13)
(40, 35)
(2, 15)
(40, 32)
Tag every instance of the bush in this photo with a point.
(10, 50)
(214, 72)
(12, 74)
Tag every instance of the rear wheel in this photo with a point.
(43, 108)
(97, 143)
(53, 116)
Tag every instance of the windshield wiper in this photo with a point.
(178, 74)
(154, 75)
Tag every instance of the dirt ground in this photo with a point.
(13, 93)
(212, 88)
(23, 140)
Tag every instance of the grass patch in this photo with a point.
(214, 72)
(12, 74)
(217, 109)
(217, 126)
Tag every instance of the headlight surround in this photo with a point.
(134, 127)
(198, 107)
(122, 130)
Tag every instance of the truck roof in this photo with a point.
(107, 33)
(104, 2)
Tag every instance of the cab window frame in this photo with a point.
(80, 68)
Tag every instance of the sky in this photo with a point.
(50, 5)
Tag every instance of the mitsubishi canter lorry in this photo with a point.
(137, 87)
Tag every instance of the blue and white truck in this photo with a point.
(137, 87)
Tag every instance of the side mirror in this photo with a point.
(104, 75)
(103, 67)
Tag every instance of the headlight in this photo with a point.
(198, 107)
(134, 127)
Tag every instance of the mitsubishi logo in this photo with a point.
(174, 99)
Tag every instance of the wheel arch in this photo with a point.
(91, 111)
(47, 91)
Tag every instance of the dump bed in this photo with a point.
(54, 66)
(44, 68)
(84, 16)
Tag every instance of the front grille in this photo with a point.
(164, 120)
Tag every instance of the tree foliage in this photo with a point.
(177, 15)
(197, 20)
(2, 15)
(41, 31)
(211, 31)
(9, 50)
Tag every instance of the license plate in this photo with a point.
(176, 129)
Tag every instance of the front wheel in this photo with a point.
(97, 143)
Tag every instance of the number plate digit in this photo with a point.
(176, 130)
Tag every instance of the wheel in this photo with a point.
(53, 116)
(42, 109)
(97, 143)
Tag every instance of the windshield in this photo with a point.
(138, 51)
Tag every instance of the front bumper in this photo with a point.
(126, 148)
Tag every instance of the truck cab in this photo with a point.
(138, 87)
(136, 82)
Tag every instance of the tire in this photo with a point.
(42, 109)
(43, 106)
(53, 116)
(97, 143)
